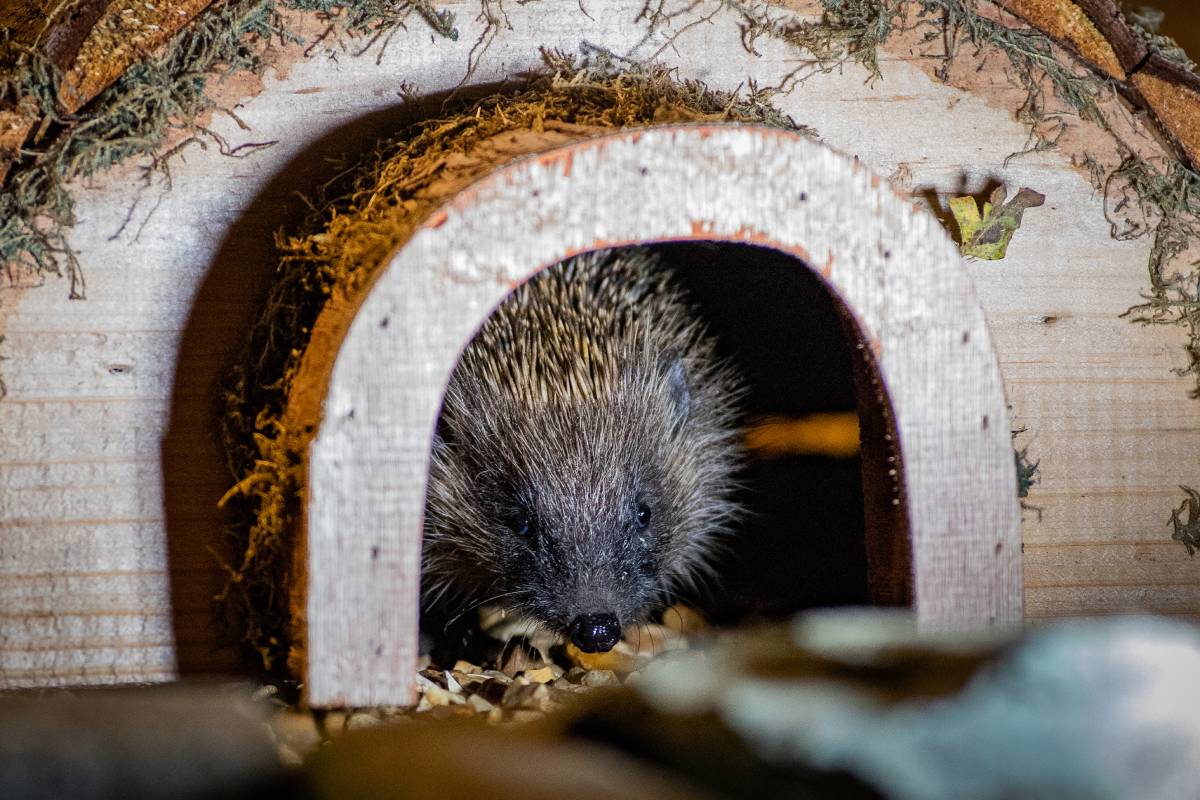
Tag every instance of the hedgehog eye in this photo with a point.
(643, 517)
(522, 524)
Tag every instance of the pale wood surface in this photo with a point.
(96, 463)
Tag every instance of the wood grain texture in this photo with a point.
(126, 33)
(14, 130)
(107, 465)
(1174, 95)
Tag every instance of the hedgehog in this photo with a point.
(584, 463)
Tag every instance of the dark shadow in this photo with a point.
(226, 305)
(938, 204)
(822, 529)
(1181, 21)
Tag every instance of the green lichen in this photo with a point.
(1146, 22)
(152, 101)
(1162, 202)
(1027, 471)
(374, 16)
(849, 31)
(1187, 530)
(155, 101)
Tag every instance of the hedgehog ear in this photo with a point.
(677, 388)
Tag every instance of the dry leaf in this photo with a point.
(987, 235)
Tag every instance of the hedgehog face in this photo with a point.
(583, 516)
(582, 526)
(569, 511)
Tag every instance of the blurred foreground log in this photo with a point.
(842, 704)
(145, 743)
(849, 704)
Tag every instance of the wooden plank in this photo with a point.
(1090, 600)
(192, 274)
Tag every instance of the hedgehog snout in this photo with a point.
(595, 633)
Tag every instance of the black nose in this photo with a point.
(595, 633)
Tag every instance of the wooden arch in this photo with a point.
(893, 267)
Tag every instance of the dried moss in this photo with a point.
(350, 232)
(133, 117)
(849, 31)
(1167, 202)
(1185, 521)
(153, 101)
(1027, 471)
(374, 16)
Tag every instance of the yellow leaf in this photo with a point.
(987, 236)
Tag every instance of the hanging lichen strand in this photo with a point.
(1169, 199)
(135, 116)
(155, 101)
(1186, 530)
(380, 17)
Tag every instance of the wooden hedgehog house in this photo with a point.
(111, 481)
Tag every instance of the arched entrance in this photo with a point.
(942, 426)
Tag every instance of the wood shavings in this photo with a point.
(561, 676)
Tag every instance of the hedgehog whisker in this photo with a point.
(476, 606)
